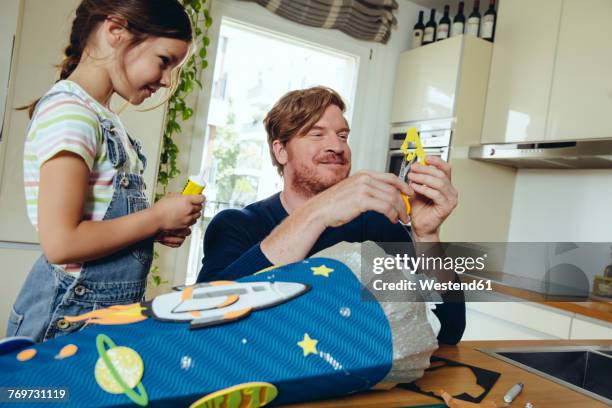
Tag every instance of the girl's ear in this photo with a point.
(115, 30)
(280, 152)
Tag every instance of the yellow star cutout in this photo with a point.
(308, 345)
(322, 271)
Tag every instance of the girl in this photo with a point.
(83, 172)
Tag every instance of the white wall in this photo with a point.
(16, 261)
(562, 205)
(9, 10)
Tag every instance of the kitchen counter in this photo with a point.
(596, 308)
(542, 393)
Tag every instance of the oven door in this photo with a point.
(394, 160)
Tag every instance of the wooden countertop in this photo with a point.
(542, 393)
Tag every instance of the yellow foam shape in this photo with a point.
(406, 203)
(247, 395)
(412, 136)
(128, 364)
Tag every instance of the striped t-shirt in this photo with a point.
(67, 123)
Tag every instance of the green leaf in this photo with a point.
(200, 18)
(187, 113)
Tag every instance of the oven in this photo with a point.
(436, 142)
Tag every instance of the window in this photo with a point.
(253, 69)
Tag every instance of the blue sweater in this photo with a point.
(232, 249)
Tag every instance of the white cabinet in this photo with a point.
(515, 320)
(500, 318)
(581, 98)
(426, 82)
(584, 328)
(521, 70)
(550, 75)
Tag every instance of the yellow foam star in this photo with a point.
(321, 270)
(308, 345)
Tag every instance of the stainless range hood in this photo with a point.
(591, 154)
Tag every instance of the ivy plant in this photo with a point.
(178, 110)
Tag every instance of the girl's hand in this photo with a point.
(173, 239)
(176, 211)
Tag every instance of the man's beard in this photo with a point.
(306, 181)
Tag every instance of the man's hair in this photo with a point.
(296, 113)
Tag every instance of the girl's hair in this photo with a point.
(145, 18)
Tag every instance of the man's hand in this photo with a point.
(338, 205)
(363, 191)
(432, 197)
(173, 239)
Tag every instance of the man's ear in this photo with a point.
(280, 152)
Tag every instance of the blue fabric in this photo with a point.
(262, 347)
(49, 293)
(232, 250)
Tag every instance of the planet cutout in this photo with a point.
(119, 369)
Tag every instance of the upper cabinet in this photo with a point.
(444, 80)
(521, 70)
(581, 98)
(426, 82)
(551, 75)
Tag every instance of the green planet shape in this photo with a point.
(119, 370)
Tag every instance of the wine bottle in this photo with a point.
(429, 35)
(417, 32)
(473, 22)
(444, 25)
(458, 22)
(489, 20)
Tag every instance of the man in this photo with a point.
(320, 205)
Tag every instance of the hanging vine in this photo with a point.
(178, 111)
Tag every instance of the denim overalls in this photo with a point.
(49, 293)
